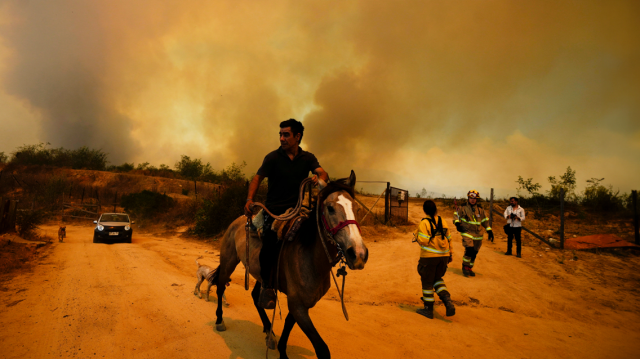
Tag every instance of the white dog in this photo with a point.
(201, 274)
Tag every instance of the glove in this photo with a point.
(490, 232)
(459, 227)
(450, 259)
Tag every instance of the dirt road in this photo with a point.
(118, 301)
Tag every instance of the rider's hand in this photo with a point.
(247, 208)
(490, 235)
(315, 180)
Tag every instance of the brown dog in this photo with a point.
(201, 274)
(62, 232)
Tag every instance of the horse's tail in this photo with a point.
(214, 276)
(199, 265)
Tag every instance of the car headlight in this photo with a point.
(127, 227)
(100, 227)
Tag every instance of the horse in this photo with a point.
(304, 267)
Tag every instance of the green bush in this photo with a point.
(146, 204)
(185, 191)
(217, 213)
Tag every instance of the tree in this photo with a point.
(193, 169)
(3, 157)
(567, 182)
(528, 185)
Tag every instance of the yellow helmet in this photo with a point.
(473, 194)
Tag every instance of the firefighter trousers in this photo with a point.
(431, 271)
(471, 249)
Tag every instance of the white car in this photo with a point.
(112, 228)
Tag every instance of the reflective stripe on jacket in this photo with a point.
(430, 245)
(472, 221)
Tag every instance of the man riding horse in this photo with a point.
(285, 168)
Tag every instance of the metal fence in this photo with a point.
(398, 205)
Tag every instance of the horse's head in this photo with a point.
(336, 204)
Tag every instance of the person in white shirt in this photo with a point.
(514, 214)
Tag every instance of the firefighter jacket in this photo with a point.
(433, 244)
(472, 220)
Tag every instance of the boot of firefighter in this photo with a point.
(427, 311)
(471, 272)
(448, 304)
(465, 271)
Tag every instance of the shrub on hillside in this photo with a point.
(27, 221)
(3, 157)
(217, 213)
(125, 167)
(81, 158)
(146, 204)
(599, 197)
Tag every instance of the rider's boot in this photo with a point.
(427, 311)
(267, 298)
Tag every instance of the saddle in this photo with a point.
(286, 230)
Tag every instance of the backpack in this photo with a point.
(435, 227)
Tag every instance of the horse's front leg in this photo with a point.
(289, 322)
(301, 315)
(219, 322)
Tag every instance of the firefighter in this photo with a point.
(435, 254)
(469, 220)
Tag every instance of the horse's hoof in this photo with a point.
(271, 341)
(221, 327)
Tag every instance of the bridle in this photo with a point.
(333, 231)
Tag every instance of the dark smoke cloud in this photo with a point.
(410, 91)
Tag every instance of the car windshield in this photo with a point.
(114, 218)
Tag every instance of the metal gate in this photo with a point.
(397, 209)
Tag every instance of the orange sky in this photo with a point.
(442, 95)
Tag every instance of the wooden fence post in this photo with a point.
(562, 218)
(490, 210)
(2, 205)
(634, 194)
(387, 200)
(13, 208)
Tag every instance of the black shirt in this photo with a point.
(285, 176)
